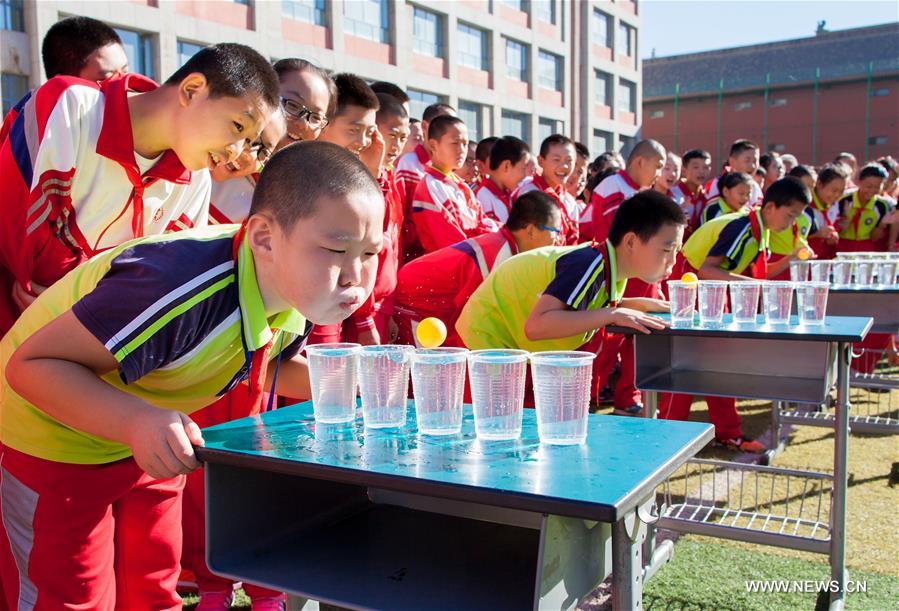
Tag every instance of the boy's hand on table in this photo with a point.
(162, 442)
(635, 319)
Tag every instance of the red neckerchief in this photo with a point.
(856, 217)
(257, 359)
(423, 157)
(760, 264)
(510, 239)
(501, 195)
(568, 226)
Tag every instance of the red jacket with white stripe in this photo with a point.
(445, 211)
(72, 186)
(495, 202)
(440, 283)
(409, 171)
(566, 202)
(691, 203)
(607, 197)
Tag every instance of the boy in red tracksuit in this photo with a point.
(444, 210)
(507, 167)
(439, 283)
(743, 157)
(557, 159)
(643, 167)
(689, 191)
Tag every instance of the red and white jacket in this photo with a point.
(755, 192)
(410, 168)
(231, 200)
(72, 186)
(568, 205)
(607, 197)
(691, 203)
(445, 211)
(495, 202)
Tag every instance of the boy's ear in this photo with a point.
(260, 234)
(191, 87)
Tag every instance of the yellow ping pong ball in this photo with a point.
(689, 278)
(804, 254)
(431, 332)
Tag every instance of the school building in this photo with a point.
(520, 67)
(813, 97)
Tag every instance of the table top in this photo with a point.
(622, 461)
(878, 290)
(834, 329)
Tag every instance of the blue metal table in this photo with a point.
(390, 519)
(778, 363)
(880, 303)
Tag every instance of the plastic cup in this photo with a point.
(820, 271)
(799, 271)
(744, 300)
(864, 272)
(712, 295)
(778, 300)
(811, 298)
(497, 392)
(562, 395)
(384, 384)
(438, 382)
(332, 375)
(682, 297)
(842, 272)
(886, 273)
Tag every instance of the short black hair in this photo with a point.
(767, 159)
(742, 145)
(844, 155)
(296, 64)
(389, 106)
(604, 161)
(482, 153)
(532, 208)
(732, 179)
(889, 164)
(760, 171)
(437, 110)
(232, 70)
(645, 213)
(873, 169)
(647, 149)
(787, 191)
(802, 171)
(440, 125)
(696, 154)
(582, 151)
(507, 148)
(298, 176)
(831, 172)
(70, 42)
(553, 140)
(413, 120)
(390, 89)
(353, 91)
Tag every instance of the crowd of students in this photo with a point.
(166, 251)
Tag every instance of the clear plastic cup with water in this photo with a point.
(777, 298)
(886, 272)
(744, 300)
(438, 383)
(384, 384)
(864, 272)
(562, 395)
(332, 375)
(811, 301)
(497, 392)
(682, 298)
(820, 271)
(842, 272)
(799, 271)
(712, 297)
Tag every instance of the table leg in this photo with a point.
(650, 410)
(840, 457)
(627, 563)
(777, 445)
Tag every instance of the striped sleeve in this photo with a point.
(732, 241)
(579, 278)
(160, 301)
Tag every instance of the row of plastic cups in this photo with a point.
(561, 388)
(847, 272)
(776, 298)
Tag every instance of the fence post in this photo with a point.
(815, 117)
(868, 110)
(676, 113)
(718, 159)
(765, 128)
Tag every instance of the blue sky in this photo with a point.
(673, 27)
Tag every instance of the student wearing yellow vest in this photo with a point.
(863, 212)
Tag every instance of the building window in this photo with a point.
(419, 100)
(603, 88)
(516, 60)
(549, 70)
(545, 10)
(139, 50)
(602, 141)
(546, 127)
(11, 17)
(626, 40)
(601, 29)
(626, 143)
(742, 105)
(657, 114)
(367, 19)
(310, 11)
(627, 97)
(473, 115)
(879, 93)
(14, 86)
(516, 124)
(427, 32)
(778, 102)
(186, 50)
(472, 44)
(877, 140)
(518, 5)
